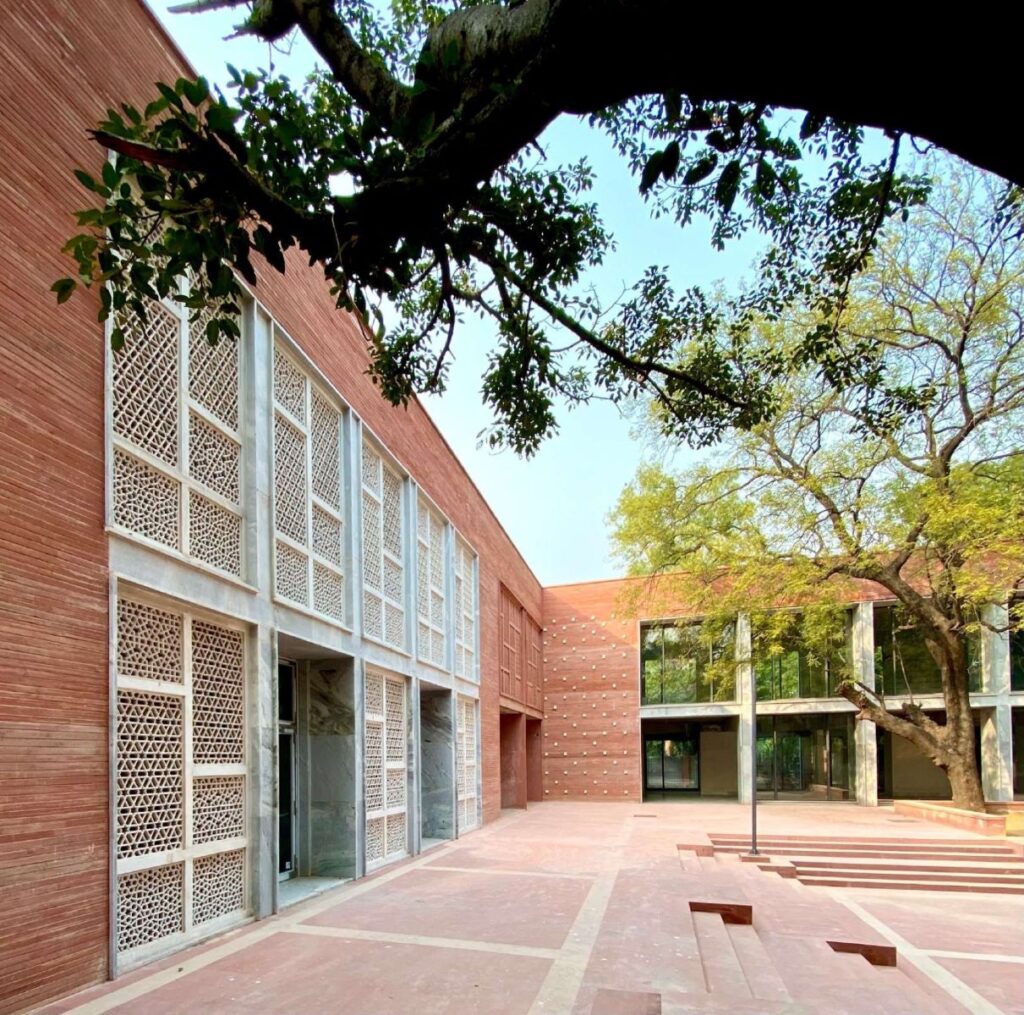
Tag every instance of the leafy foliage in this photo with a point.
(432, 112)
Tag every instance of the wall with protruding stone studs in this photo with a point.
(592, 744)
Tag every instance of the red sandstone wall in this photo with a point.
(63, 64)
(591, 730)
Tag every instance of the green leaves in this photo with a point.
(63, 287)
(728, 185)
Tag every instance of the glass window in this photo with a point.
(902, 661)
(1017, 660)
(793, 672)
(685, 664)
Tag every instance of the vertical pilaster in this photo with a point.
(995, 651)
(997, 754)
(862, 658)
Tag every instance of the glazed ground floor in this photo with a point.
(814, 753)
(592, 909)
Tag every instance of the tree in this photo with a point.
(833, 487)
(433, 110)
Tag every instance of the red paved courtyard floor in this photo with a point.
(584, 909)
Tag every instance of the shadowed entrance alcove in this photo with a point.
(437, 764)
(316, 776)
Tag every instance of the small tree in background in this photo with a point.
(928, 503)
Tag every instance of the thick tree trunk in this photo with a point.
(965, 781)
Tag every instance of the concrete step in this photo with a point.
(893, 846)
(901, 865)
(723, 973)
(879, 854)
(915, 874)
(762, 977)
(828, 881)
(743, 837)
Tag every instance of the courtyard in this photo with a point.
(594, 909)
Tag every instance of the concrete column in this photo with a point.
(747, 730)
(995, 652)
(862, 658)
(997, 754)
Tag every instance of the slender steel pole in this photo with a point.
(753, 762)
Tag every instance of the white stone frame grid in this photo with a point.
(466, 743)
(465, 611)
(383, 549)
(180, 817)
(385, 766)
(431, 583)
(175, 463)
(309, 516)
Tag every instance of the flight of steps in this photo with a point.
(940, 865)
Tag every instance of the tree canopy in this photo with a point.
(926, 502)
(433, 111)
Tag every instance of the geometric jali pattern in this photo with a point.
(218, 695)
(213, 458)
(150, 905)
(465, 610)
(430, 578)
(214, 534)
(145, 383)
(291, 573)
(289, 479)
(218, 808)
(149, 642)
(465, 762)
(150, 773)
(385, 766)
(326, 451)
(213, 373)
(145, 500)
(289, 386)
(328, 591)
(218, 885)
(327, 535)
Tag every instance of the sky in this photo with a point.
(554, 506)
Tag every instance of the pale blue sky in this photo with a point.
(554, 505)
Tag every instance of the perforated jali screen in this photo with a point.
(385, 767)
(180, 828)
(177, 454)
(465, 611)
(383, 545)
(465, 763)
(308, 508)
(431, 577)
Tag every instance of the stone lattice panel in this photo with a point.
(291, 573)
(327, 535)
(371, 466)
(396, 839)
(213, 373)
(374, 694)
(394, 719)
(465, 611)
(437, 647)
(374, 767)
(150, 905)
(392, 513)
(218, 689)
(289, 479)
(218, 885)
(423, 583)
(326, 451)
(214, 534)
(373, 616)
(328, 592)
(289, 386)
(394, 625)
(396, 788)
(465, 762)
(150, 773)
(218, 808)
(145, 383)
(393, 587)
(371, 543)
(375, 849)
(149, 642)
(214, 459)
(146, 501)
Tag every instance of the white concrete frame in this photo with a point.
(147, 567)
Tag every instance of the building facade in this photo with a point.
(261, 635)
(634, 708)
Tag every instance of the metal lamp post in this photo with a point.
(753, 762)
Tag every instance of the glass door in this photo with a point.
(672, 764)
(286, 803)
